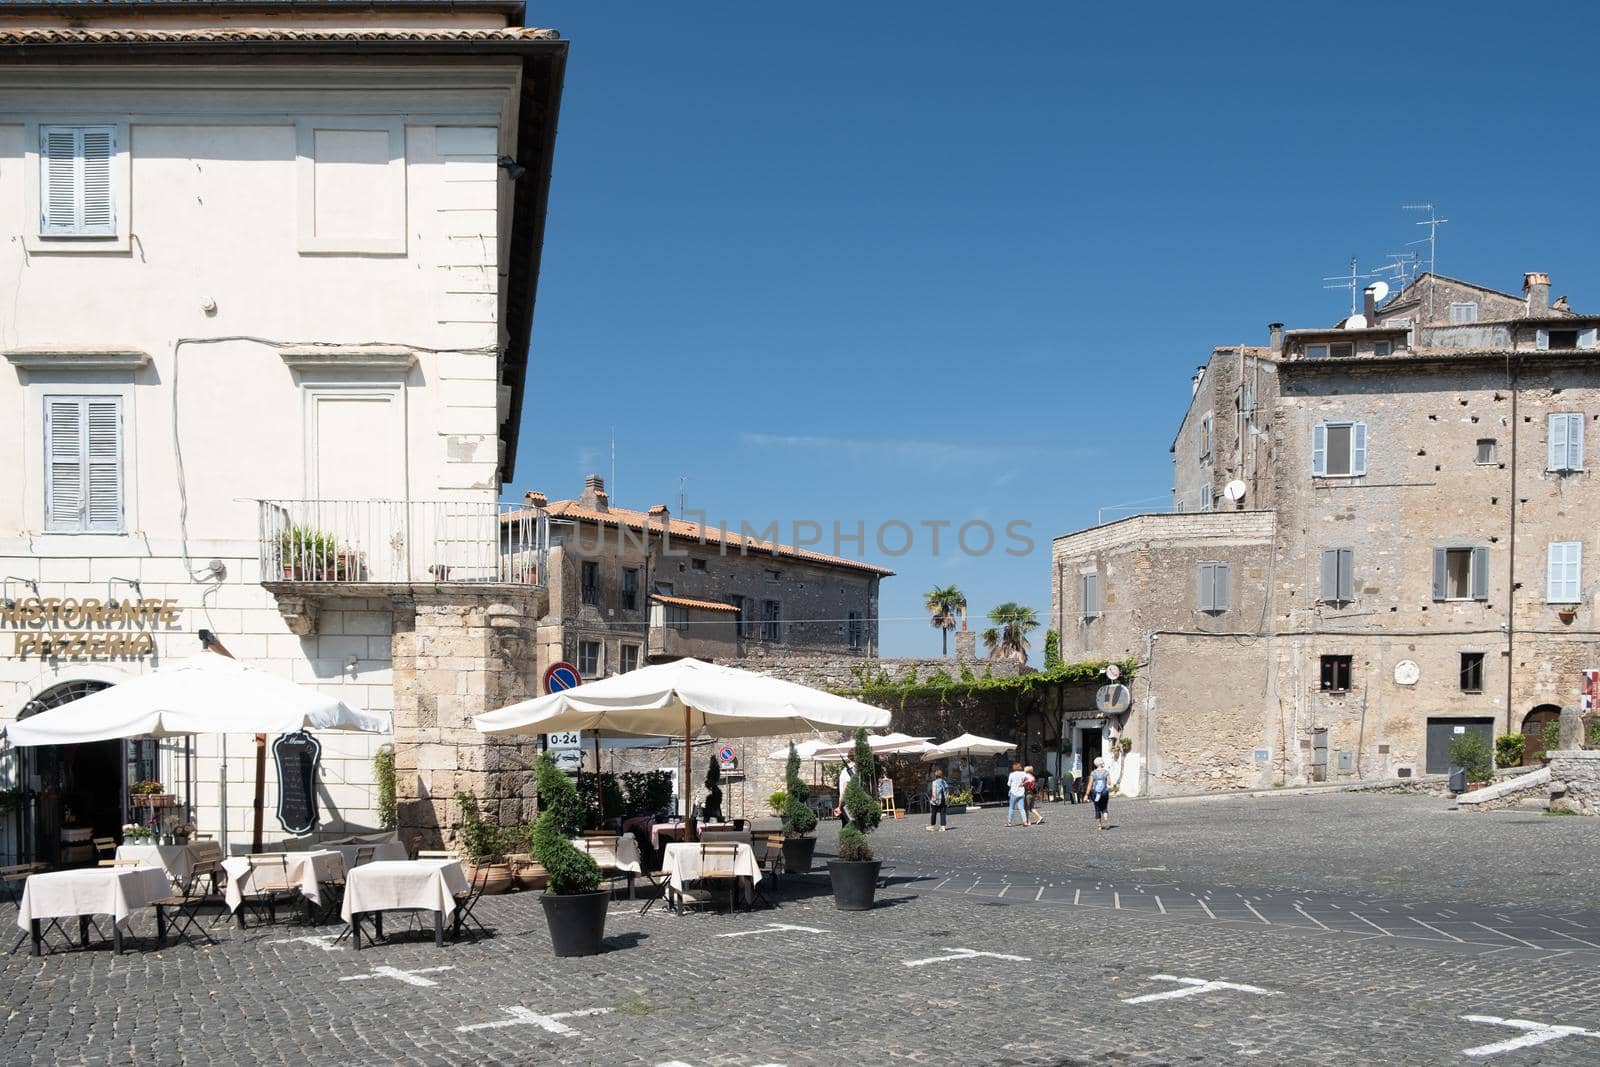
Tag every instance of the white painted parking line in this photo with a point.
(408, 977)
(1209, 913)
(1502, 933)
(1313, 918)
(680, 1063)
(1435, 929)
(966, 954)
(1256, 913)
(323, 941)
(521, 1016)
(1190, 987)
(1569, 937)
(773, 928)
(1374, 925)
(1532, 1034)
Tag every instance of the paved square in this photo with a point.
(1287, 930)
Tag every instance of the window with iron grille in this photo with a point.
(1335, 674)
(630, 588)
(771, 621)
(856, 630)
(591, 582)
(1472, 672)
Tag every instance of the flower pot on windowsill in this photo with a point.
(1566, 615)
(153, 800)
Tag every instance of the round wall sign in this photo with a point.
(1406, 672)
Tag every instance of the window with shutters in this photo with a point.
(1336, 673)
(1461, 573)
(629, 660)
(1215, 587)
(1563, 339)
(1564, 573)
(1464, 312)
(1338, 584)
(76, 181)
(1090, 589)
(1205, 438)
(1208, 499)
(771, 621)
(589, 659)
(1564, 438)
(1487, 453)
(1472, 672)
(83, 464)
(1339, 449)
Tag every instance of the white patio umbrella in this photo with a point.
(893, 744)
(686, 697)
(205, 694)
(806, 750)
(967, 745)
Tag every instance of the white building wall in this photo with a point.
(223, 235)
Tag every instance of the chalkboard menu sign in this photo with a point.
(297, 755)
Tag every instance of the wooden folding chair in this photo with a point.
(105, 848)
(185, 905)
(119, 863)
(268, 884)
(717, 862)
(463, 921)
(769, 858)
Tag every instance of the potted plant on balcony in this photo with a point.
(855, 872)
(481, 841)
(798, 819)
(307, 554)
(574, 904)
(150, 794)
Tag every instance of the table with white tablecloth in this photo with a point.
(415, 885)
(176, 860)
(304, 869)
(623, 856)
(382, 850)
(681, 863)
(672, 831)
(114, 891)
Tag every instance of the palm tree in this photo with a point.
(943, 602)
(1008, 638)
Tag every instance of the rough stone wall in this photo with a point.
(1226, 391)
(1579, 771)
(1429, 300)
(457, 655)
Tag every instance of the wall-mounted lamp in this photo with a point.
(10, 602)
(350, 665)
(111, 601)
(513, 169)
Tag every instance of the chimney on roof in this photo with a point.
(535, 499)
(1275, 337)
(658, 511)
(594, 494)
(1369, 304)
(1536, 287)
(1194, 382)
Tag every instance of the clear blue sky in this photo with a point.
(931, 261)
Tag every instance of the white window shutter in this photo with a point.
(1319, 449)
(64, 474)
(104, 467)
(1575, 571)
(1564, 572)
(98, 154)
(1586, 338)
(58, 180)
(1575, 442)
(1358, 448)
(1541, 340)
(1556, 442)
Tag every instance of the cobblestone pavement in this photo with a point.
(989, 946)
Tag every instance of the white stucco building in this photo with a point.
(269, 276)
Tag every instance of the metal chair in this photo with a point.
(105, 848)
(268, 886)
(717, 862)
(185, 906)
(463, 920)
(118, 863)
(769, 858)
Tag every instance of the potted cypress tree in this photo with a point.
(574, 903)
(713, 805)
(798, 819)
(855, 872)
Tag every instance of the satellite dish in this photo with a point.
(1234, 490)
(1355, 322)
(1379, 291)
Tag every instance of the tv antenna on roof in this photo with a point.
(1403, 268)
(1432, 222)
(1352, 282)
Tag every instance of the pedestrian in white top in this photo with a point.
(1017, 791)
(846, 772)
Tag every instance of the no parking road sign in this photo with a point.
(561, 675)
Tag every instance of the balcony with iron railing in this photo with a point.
(323, 544)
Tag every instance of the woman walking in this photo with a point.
(938, 800)
(1100, 792)
(1017, 793)
(1030, 787)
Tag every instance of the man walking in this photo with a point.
(938, 801)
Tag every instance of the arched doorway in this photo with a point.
(1533, 725)
(75, 793)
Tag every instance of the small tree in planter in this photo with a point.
(798, 819)
(713, 808)
(1472, 752)
(1508, 750)
(855, 872)
(574, 903)
(482, 843)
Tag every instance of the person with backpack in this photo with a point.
(1030, 785)
(1100, 792)
(938, 800)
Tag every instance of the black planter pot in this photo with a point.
(577, 921)
(855, 883)
(797, 853)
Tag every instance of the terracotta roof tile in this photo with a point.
(691, 531)
(35, 35)
(688, 602)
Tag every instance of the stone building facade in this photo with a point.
(1224, 435)
(1418, 574)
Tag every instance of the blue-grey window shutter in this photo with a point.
(1329, 591)
(1205, 586)
(1319, 449)
(1347, 575)
(1541, 339)
(1224, 588)
(1358, 448)
(1480, 574)
(1586, 337)
(1440, 566)
(1575, 442)
(1556, 441)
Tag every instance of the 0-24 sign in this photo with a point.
(566, 739)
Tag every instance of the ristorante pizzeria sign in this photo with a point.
(68, 628)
